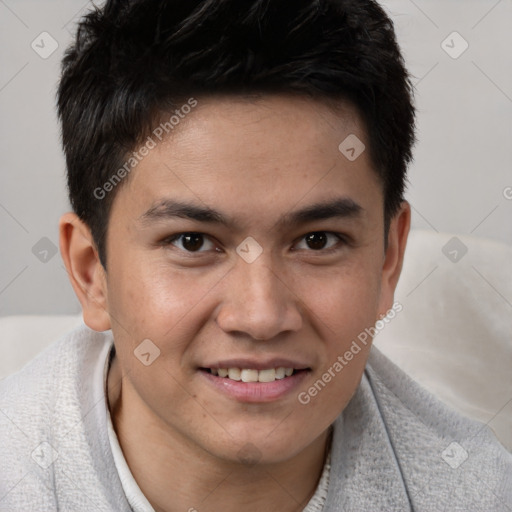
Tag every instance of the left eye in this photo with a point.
(191, 242)
(319, 240)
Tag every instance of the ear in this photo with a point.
(85, 271)
(393, 260)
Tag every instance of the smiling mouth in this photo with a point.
(252, 375)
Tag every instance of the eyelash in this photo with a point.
(342, 241)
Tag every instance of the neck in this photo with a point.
(175, 474)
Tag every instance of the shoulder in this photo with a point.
(40, 406)
(440, 452)
(57, 367)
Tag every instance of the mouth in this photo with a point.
(253, 375)
(255, 385)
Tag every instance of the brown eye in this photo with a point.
(316, 241)
(191, 242)
(320, 241)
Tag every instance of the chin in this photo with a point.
(260, 449)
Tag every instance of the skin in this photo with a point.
(254, 162)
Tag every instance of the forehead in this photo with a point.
(279, 127)
(268, 153)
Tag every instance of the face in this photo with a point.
(247, 243)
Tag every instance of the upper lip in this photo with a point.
(258, 364)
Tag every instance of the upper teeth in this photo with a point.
(249, 375)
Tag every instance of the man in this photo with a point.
(236, 171)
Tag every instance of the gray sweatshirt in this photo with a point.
(395, 447)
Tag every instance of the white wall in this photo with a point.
(463, 161)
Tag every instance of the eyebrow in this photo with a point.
(167, 209)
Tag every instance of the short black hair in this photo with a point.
(135, 60)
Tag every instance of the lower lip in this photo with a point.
(256, 391)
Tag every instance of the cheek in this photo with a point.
(151, 301)
(342, 302)
(154, 299)
(342, 306)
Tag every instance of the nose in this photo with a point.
(258, 302)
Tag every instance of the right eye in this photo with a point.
(190, 242)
